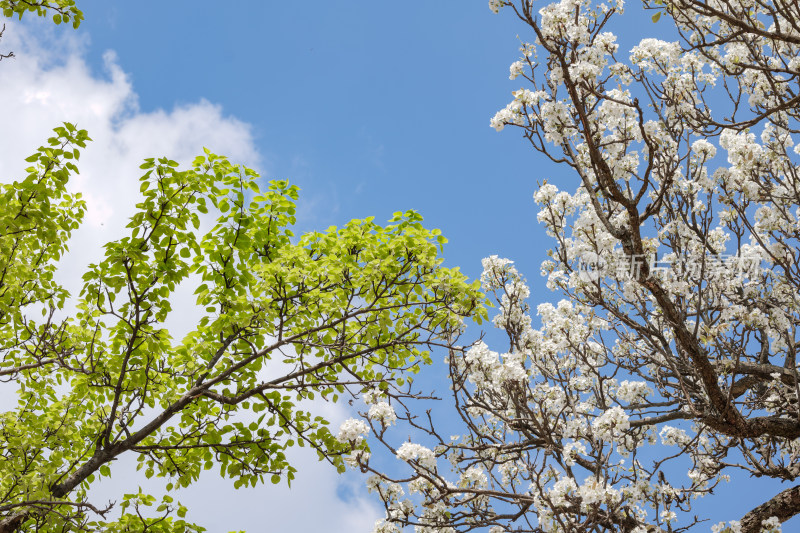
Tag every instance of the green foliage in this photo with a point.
(282, 319)
(657, 16)
(62, 10)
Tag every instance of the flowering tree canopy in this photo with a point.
(669, 366)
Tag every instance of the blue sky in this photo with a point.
(370, 107)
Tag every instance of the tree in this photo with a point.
(285, 320)
(674, 347)
(63, 11)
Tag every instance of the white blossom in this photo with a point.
(771, 525)
(409, 451)
(516, 69)
(381, 526)
(382, 412)
(352, 431)
(473, 476)
(610, 424)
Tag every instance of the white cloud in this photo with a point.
(49, 82)
(39, 96)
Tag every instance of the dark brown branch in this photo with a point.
(783, 505)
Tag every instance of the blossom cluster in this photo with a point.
(352, 431)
